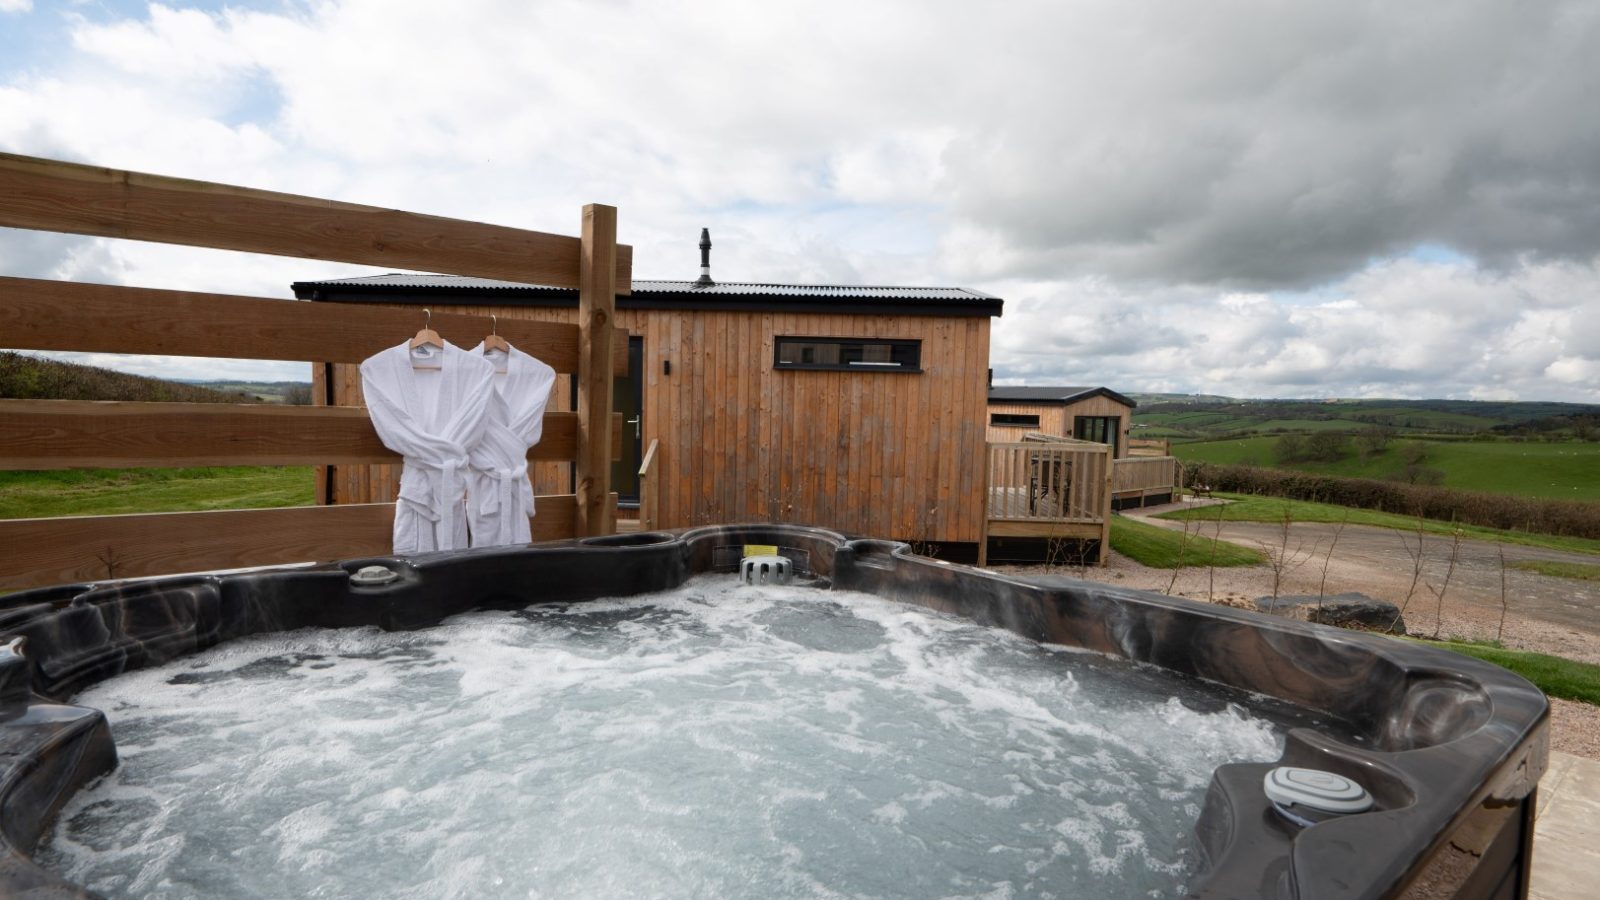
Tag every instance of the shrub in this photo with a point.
(1289, 448)
(1326, 446)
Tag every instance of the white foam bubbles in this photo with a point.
(715, 741)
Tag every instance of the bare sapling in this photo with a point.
(1499, 633)
(924, 545)
(1322, 585)
(1449, 571)
(1284, 556)
(1211, 562)
(1189, 533)
(1055, 552)
(1419, 559)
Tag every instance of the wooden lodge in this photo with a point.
(1095, 414)
(855, 408)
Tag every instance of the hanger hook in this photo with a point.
(494, 323)
(428, 322)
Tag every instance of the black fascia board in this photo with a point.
(558, 298)
(1068, 399)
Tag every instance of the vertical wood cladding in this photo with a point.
(890, 454)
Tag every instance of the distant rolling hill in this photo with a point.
(30, 378)
(1196, 420)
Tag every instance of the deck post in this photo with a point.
(597, 299)
(988, 488)
(1105, 509)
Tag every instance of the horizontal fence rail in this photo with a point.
(42, 552)
(1047, 482)
(38, 314)
(109, 434)
(50, 195)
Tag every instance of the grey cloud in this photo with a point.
(1285, 145)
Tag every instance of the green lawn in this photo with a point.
(1555, 676)
(1163, 548)
(1564, 471)
(1576, 571)
(81, 492)
(1305, 425)
(1250, 508)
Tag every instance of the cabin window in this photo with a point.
(1100, 429)
(1016, 420)
(849, 354)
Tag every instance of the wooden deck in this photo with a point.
(1047, 490)
(1052, 488)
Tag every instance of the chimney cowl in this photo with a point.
(704, 280)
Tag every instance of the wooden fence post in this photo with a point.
(1105, 508)
(597, 299)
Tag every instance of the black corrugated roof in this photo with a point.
(399, 287)
(1024, 394)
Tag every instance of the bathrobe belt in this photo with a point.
(510, 485)
(447, 492)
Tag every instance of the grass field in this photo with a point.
(81, 492)
(1575, 571)
(1555, 676)
(1248, 508)
(1564, 471)
(1161, 548)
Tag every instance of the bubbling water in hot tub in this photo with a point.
(718, 740)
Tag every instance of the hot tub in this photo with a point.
(1450, 749)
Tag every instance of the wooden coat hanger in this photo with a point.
(426, 337)
(494, 341)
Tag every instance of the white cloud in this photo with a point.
(16, 6)
(1404, 328)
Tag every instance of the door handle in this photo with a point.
(635, 423)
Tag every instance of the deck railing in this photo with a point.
(649, 490)
(1144, 476)
(1149, 447)
(1047, 490)
(48, 195)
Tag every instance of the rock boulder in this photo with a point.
(1345, 610)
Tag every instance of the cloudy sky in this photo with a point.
(1277, 199)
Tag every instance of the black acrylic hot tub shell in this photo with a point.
(1452, 748)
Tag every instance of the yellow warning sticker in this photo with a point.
(760, 550)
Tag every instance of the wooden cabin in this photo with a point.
(1096, 414)
(854, 408)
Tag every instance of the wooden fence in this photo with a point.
(48, 195)
(1048, 490)
(1149, 447)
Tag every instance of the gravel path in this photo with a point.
(1558, 616)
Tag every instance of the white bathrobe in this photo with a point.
(501, 497)
(432, 417)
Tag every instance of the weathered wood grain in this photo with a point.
(597, 312)
(64, 315)
(50, 195)
(41, 552)
(67, 434)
